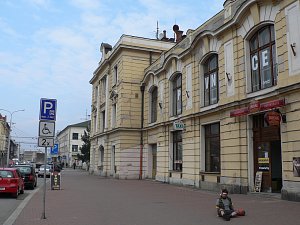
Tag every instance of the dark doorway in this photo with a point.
(276, 170)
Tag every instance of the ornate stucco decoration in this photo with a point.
(113, 96)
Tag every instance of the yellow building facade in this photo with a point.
(219, 109)
(116, 105)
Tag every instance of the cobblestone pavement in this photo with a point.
(92, 200)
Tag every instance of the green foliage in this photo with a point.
(85, 148)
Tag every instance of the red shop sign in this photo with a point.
(254, 106)
(257, 106)
(272, 118)
(239, 112)
(272, 104)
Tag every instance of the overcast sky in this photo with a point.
(50, 49)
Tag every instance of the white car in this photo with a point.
(42, 171)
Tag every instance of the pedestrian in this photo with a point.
(74, 165)
(224, 206)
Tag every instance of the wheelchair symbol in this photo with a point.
(45, 129)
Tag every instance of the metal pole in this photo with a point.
(8, 150)
(44, 195)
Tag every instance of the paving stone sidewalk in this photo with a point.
(92, 200)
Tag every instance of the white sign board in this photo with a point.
(46, 142)
(47, 129)
(178, 125)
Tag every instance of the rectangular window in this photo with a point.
(114, 115)
(96, 93)
(212, 148)
(75, 136)
(95, 123)
(177, 95)
(177, 151)
(154, 105)
(74, 148)
(103, 88)
(116, 74)
(102, 121)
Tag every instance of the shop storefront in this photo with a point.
(266, 151)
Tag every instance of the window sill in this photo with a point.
(206, 108)
(175, 171)
(175, 117)
(152, 123)
(209, 173)
(261, 92)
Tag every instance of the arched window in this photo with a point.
(177, 95)
(153, 96)
(263, 59)
(211, 80)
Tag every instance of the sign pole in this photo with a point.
(46, 135)
(44, 194)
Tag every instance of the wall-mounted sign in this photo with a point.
(257, 106)
(254, 106)
(178, 125)
(263, 160)
(272, 104)
(272, 118)
(239, 112)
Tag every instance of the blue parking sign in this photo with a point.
(48, 109)
(54, 150)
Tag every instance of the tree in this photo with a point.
(85, 148)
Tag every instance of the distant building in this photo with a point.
(4, 133)
(116, 106)
(69, 141)
(28, 155)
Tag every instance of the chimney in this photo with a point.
(104, 48)
(178, 33)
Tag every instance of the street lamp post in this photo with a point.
(10, 124)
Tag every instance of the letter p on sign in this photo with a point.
(48, 109)
(47, 106)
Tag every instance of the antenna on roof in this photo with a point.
(87, 117)
(157, 30)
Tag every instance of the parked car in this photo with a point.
(42, 170)
(11, 181)
(28, 172)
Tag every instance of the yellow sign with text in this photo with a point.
(263, 160)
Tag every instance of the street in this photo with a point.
(92, 200)
(9, 204)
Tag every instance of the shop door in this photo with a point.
(267, 154)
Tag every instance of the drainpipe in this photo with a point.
(142, 88)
